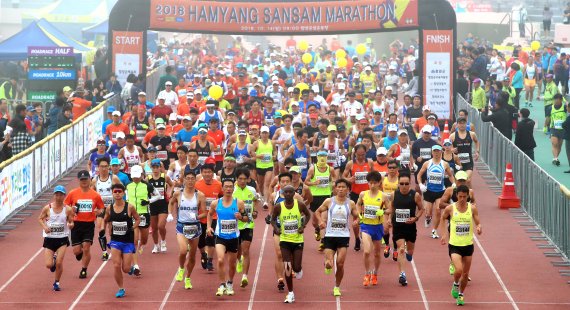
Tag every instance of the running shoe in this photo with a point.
(155, 249)
(402, 280)
(105, 256)
(409, 257)
(451, 268)
(556, 162)
(455, 290)
(56, 286)
(321, 246)
(120, 293)
(366, 281)
(395, 256)
(221, 290)
(210, 265)
(163, 246)
(239, 265)
(336, 291)
(280, 285)
(328, 271)
(131, 271)
(83, 273)
(357, 245)
(179, 274)
(136, 270)
(299, 275)
(434, 234)
(230, 289)
(460, 301)
(290, 298)
(187, 284)
(386, 252)
(374, 279)
(244, 281)
(317, 234)
(52, 268)
(204, 260)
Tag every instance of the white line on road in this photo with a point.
(20, 270)
(76, 301)
(420, 286)
(257, 269)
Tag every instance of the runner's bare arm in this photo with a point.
(274, 216)
(173, 204)
(444, 220)
(210, 217)
(135, 215)
(444, 201)
(42, 218)
(70, 222)
(307, 195)
(310, 174)
(476, 220)
(201, 206)
(419, 206)
(318, 213)
(305, 211)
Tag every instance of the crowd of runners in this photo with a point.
(341, 149)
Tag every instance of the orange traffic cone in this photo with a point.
(509, 198)
(445, 134)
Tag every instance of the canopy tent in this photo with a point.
(38, 33)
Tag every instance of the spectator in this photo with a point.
(501, 118)
(79, 105)
(557, 118)
(517, 83)
(113, 86)
(523, 14)
(64, 117)
(566, 128)
(546, 21)
(524, 138)
(20, 139)
(479, 66)
(54, 111)
(4, 109)
(461, 84)
(561, 72)
(101, 65)
(478, 96)
(9, 89)
(168, 77)
(39, 121)
(99, 91)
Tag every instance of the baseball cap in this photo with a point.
(295, 169)
(436, 147)
(389, 88)
(168, 83)
(446, 142)
(151, 149)
(351, 94)
(210, 161)
(159, 121)
(461, 120)
(155, 162)
(331, 128)
(363, 120)
(295, 103)
(116, 162)
(202, 129)
(242, 133)
(83, 174)
(477, 81)
(381, 151)
(142, 93)
(402, 131)
(59, 189)
(377, 111)
(427, 128)
(392, 127)
(160, 126)
(277, 115)
(110, 109)
(340, 128)
(197, 92)
(290, 89)
(31, 108)
(116, 113)
(431, 116)
(136, 171)
(120, 135)
(367, 68)
(359, 117)
(67, 88)
(172, 117)
(339, 76)
(461, 175)
(264, 129)
(228, 112)
(426, 108)
(548, 76)
(187, 118)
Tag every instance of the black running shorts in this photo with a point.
(82, 232)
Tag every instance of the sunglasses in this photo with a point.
(403, 184)
(117, 191)
(101, 144)
(392, 167)
(287, 167)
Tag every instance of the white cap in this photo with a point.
(392, 67)
(172, 117)
(254, 76)
(381, 151)
(142, 93)
(392, 127)
(275, 78)
(187, 118)
(365, 63)
(339, 76)
(315, 88)
(168, 83)
(136, 171)
(290, 89)
(264, 129)
(367, 68)
(271, 55)
(402, 131)
(446, 141)
(275, 82)
(277, 64)
(120, 135)
(358, 116)
(388, 88)
(295, 103)
(116, 113)
(426, 108)
(427, 128)
(341, 86)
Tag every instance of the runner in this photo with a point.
(130, 154)
(421, 152)
(463, 141)
(203, 146)
(265, 155)
(229, 211)
(300, 187)
(371, 207)
(462, 216)
(389, 186)
(158, 209)
(56, 220)
(401, 151)
(300, 152)
(190, 207)
(116, 170)
(337, 229)
(193, 163)
(176, 168)
(122, 217)
(87, 205)
(290, 231)
(404, 216)
(228, 171)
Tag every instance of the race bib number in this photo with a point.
(405, 159)
(558, 124)
(332, 158)
(190, 231)
(114, 135)
(302, 162)
(160, 192)
(462, 229)
(84, 205)
(120, 228)
(162, 155)
(202, 160)
(218, 152)
(269, 121)
(266, 159)
(464, 158)
(186, 144)
(402, 215)
(290, 227)
(143, 220)
(425, 153)
(324, 181)
(228, 226)
(57, 229)
(140, 134)
(370, 212)
(240, 159)
(338, 224)
(435, 178)
(313, 153)
(360, 177)
(209, 202)
(107, 200)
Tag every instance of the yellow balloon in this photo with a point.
(340, 53)
(302, 86)
(535, 45)
(361, 49)
(341, 62)
(215, 92)
(307, 58)
(283, 112)
(302, 45)
(304, 70)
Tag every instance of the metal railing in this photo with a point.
(542, 197)
(26, 175)
(152, 79)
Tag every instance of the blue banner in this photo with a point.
(51, 75)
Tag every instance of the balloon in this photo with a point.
(302, 86)
(216, 92)
(361, 49)
(307, 58)
(341, 62)
(302, 45)
(283, 112)
(304, 70)
(535, 45)
(340, 53)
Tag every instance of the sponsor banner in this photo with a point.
(57, 154)
(52, 159)
(52, 74)
(45, 166)
(314, 17)
(69, 149)
(37, 171)
(16, 185)
(5, 192)
(63, 152)
(127, 51)
(50, 51)
(41, 95)
(438, 82)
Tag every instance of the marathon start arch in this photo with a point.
(434, 19)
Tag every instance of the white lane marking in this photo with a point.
(257, 269)
(20, 270)
(165, 299)
(76, 301)
(420, 286)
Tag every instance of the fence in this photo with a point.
(152, 79)
(541, 195)
(25, 176)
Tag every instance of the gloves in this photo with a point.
(169, 218)
(144, 202)
(268, 219)
(453, 185)
(380, 212)
(423, 187)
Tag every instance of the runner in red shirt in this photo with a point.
(115, 127)
(215, 133)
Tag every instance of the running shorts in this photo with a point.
(54, 244)
(529, 82)
(263, 171)
(431, 197)
(192, 231)
(547, 110)
(317, 202)
(333, 243)
(231, 245)
(159, 208)
(374, 231)
(461, 250)
(145, 220)
(82, 232)
(558, 133)
(205, 240)
(291, 246)
(124, 247)
(408, 233)
(245, 234)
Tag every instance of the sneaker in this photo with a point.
(357, 245)
(434, 234)
(556, 162)
(210, 265)
(409, 257)
(221, 290)
(187, 284)
(179, 274)
(336, 291)
(239, 265)
(79, 256)
(280, 285)
(204, 260)
(290, 298)
(328, 271)
(163, 246)
(451, 268)
(530, 104)
(105, 256)
(56, 286)
(374, 279)
(229, 289)
(83, 273)
(455, 290)
(136, 270)
(321, 247)
(317, 234)
(131, 271)
(244, 281)
(460, 301)
(386, 252)
(402, 280)
(299, 275)
(366, 281)
(155, 249)
(120, 293)
(427, 221)
(52, 268)
(395, 256)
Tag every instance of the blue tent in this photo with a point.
(38, 33)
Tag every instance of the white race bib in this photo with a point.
(370, 212)
(162, 155)
(209, 202)
(425, 153)
(120, 228)
(57, 229)
(435, 177)
(290, 227)
(360, 177)
(462, 229)
(464, 158)
(84, 205)
(402, 215)
(338, 224)
(190, 231)
(228, 226)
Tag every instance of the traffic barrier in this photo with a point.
(509, 198)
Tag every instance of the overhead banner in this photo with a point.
(438, 65)
(127, 51)
(315, 17)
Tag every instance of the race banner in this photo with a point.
(438, 65)
(45, 166)
(313, 17)
(37, 171)
(127, 51)
(70, 158)
(16, 185)
(57, 154)
(52, 159)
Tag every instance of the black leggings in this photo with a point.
(517, 97)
